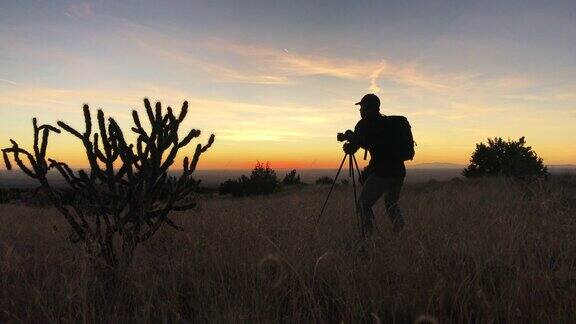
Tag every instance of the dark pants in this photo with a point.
(373, 188)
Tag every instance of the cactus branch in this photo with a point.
(127, 192)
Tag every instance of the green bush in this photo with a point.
(4, 196)
(505, 158)
(292, 179)
(262, 181)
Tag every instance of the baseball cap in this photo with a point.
(369, 100)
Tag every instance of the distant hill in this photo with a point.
(437, 165)
(562, 168)
(554, 168)
(420, 172)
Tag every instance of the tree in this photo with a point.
(237, 188)
(505, 158)
(291, 179)
(262, 181)
(126, 195)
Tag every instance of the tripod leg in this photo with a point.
(331, 188)
(357, 168)
(356, 209)
(353, 181)
(350, 169)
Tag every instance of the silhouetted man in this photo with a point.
(385, 174)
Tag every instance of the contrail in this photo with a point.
(375, 76)
(8, 81)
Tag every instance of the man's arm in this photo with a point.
(357, 139)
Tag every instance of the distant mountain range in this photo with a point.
(437, 165)
(442, 165)
(562, 166)
(416, 173)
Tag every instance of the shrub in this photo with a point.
(12, 194)
(324, 180)
(117, 204)
(238, 188)
(4, 196)
(505, 158)
(31, 197)
(262, 181)
(292, 179)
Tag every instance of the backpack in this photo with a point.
(395, 140)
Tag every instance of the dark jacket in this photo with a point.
(367, 135)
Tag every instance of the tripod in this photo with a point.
(352, 164)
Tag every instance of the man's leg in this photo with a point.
(391, 201)
(373, 188)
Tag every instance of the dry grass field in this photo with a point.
(474, 251)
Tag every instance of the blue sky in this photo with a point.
(275, 80)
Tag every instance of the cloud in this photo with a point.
(60, 98)
(310, 119)
(565, 93)
(260, 135)
(224, 60)
(80, 10)
(57, 98)
(231, 120)
(516, 82)
(286, 64)
(374, 87)
(458, 110)
(223, 74)
(558, 95)
(453, 111)
(8, 81)
(236, 62)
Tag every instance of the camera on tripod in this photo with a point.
(346, 136)
(353, 169)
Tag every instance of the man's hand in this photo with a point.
(349, 148)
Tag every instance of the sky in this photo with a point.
(276, 80)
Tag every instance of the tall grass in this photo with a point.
(476, 251)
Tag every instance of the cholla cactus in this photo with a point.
(127, 195)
